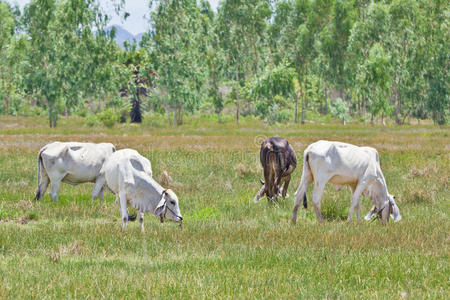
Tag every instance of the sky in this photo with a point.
(136, 23)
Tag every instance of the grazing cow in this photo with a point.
(126, 172)
(278, 160)
(345, 164)
(72, 163)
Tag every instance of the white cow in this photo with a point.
(345, 164)
(128, 174)
(72, 163)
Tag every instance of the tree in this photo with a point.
(67, 60)
(277, 81)
(175, 53)
(437, 32)
(294, 30)
(7, 29)
(241, 25)
(332, 44)
(138, 76)
(370, 29)
(378, 79)
(339, 109)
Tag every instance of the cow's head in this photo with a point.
(168, 207)
(267, 190)
(389, 208)
(261, 192)
(394, 211)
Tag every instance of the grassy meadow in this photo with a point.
(228, 247)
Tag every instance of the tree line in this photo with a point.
(278, 60)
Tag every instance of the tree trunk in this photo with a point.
(255, 65)
(303, 105)
(296, 107)
(382, 119)
(359, 105)
(168, 109)
(397, 109)
(6, 105)
(179, 120)
(52, 114)
(364, 105)
(237, 97)
(174, 114)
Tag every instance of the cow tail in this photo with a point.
(305, 174)
(39, 164)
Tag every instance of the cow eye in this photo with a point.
(172, 202)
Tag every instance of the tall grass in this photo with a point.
(229, 247)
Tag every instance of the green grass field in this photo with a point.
(229, 247)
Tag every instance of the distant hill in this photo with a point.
(123, 35)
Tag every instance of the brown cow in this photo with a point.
(278, 160)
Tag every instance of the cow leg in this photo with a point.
(42, 186)
(54, 190)
(300, 194)
(100, 195)
(278, 179)
(287, 180)
(358, 216)
(98, 189)
(356, 202)
(141, 221)
(317, 195)
(123, 208)
(271, 186)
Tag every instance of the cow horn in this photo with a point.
(262, 182)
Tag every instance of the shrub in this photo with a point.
(276, 115)
(83, 111)
(109, 117)
(91, 120)
(339, 109)
(33, 215)
(124, 112)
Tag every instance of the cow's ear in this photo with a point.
(161, 206)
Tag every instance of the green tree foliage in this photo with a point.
(7, 29)
(175, 52)
(241, 28)
(339, 110)
(67, 60)
(273, 82)
(383, 59)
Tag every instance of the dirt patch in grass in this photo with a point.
(243, 170)
(75, 248)
(427, 171)
(21, 220)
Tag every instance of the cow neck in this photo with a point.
(154, 188)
